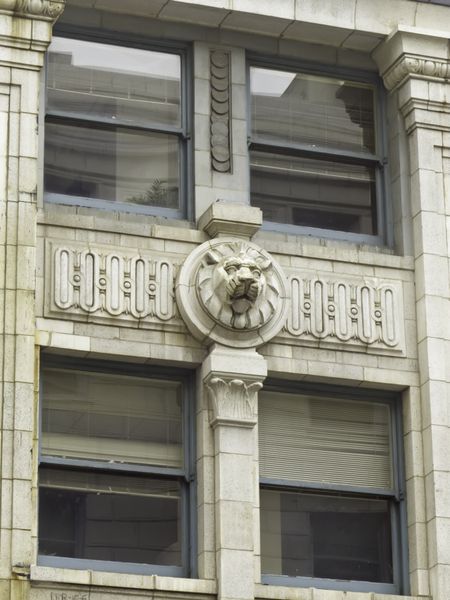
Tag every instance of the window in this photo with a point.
(115, 469)
(330, 495)
(315, 153)
(116, 130)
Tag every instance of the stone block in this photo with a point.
(21, 505)
(430, 233)
(419, 582)
(435, 403)
(234, 478)
(234, 440)
(436, 449)
(437, 485)
(432, 359)
(234, 525)
(415, 497)
(24, 406)
(417, 538)
(7, 501)
(438, 531)
(24, 358)
(235, 572)
(72, 342)
(414, 465)
(229, 218)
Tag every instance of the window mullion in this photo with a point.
(318, 152)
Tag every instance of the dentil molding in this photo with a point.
(38, 8)
(232, 292)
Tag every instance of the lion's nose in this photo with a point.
(245, 275)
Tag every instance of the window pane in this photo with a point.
(325, 112)
(113, 82)
(109, 517)
(313, 535)
(314, 193)
(324, 440)
(114, 418)
(118, 165)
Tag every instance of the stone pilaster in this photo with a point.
(416, 67)
(25, 35)
(232, 380)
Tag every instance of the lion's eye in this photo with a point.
(256, 273)
(231, 270)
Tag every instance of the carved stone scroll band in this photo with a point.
(220, 111)
(408, 65)
(344, 311)
(111, 284)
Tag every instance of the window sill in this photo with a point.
(307, 246)
(40, 574)
(275, 592)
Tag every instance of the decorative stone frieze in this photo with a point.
(232, 292)
(220, 111)
(39, 8)
(232, 401)
(349, 311)
(408, 65)
(111, 284)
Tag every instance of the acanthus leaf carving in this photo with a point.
(39, 8)
(232, 401)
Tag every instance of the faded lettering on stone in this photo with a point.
(68, 596)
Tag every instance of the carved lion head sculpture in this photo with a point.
(234, 285)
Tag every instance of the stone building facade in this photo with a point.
(225, 293)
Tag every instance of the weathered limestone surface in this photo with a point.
(355, 315)
(417, 66)
(23, 40)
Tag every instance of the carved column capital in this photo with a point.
(50, 9)
(410, 53)
(232, 402)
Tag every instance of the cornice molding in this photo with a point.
(409, 65)
(50, 9)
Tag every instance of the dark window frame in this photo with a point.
(183, 133)
(396, 496)
(185, 476)
(379, 160)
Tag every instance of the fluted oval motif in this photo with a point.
(112, 284)
(344, 311)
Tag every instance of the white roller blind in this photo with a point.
(324, 440)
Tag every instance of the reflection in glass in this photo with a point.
(117, 83)
(114, 418)
(314, 193)
(109, 517)
(118, 164)
(332, 537)
(317, 111)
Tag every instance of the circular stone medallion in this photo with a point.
(232, 292)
